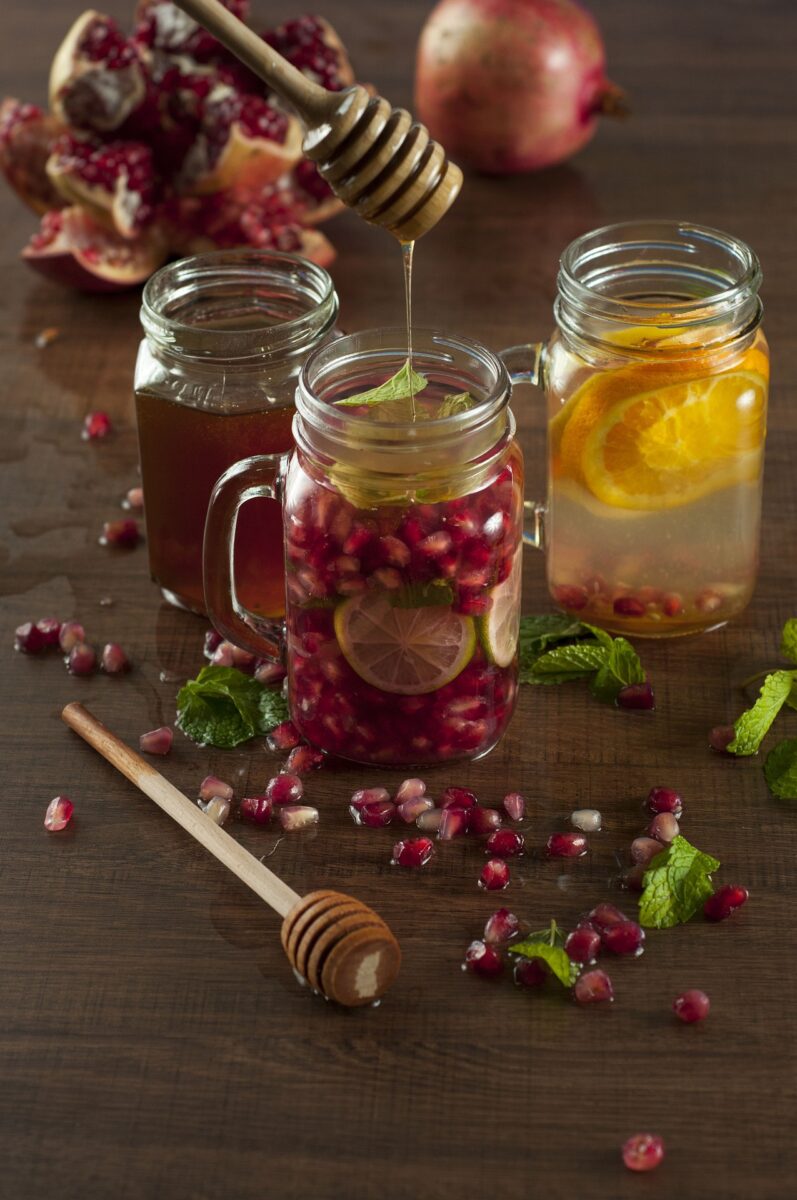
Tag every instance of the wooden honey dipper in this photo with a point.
(338, 944)
(375, 158)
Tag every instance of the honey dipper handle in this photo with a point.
(251, 871)
(312, 102)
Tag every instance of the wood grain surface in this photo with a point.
(153, 1042)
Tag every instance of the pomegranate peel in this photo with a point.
(96, 79)
(72, 249)
(26, 137)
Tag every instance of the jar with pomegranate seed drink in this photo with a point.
(656, 379)
(226, 335)
(402, 522)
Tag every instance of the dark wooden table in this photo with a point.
(154, 1043)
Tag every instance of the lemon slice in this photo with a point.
(407, 651)
(500, 627)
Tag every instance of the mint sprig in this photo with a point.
(780, 770)
(753, 725)
(556, 649)
(788, 640)
(676, 885)
(401, 386)
(223, 707)
(452, 404)
(548, 944)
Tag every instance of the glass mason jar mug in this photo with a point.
(402, 530)
(226, 335)
(656, 380)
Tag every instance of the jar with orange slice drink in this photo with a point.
(656, 380)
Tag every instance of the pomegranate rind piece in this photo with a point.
(246, 164)
(26, 138)
(123, 207)
(92, 95)
(293, 38)
(74, 250)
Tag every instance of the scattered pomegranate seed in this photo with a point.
(70, 634)
(506, 843)
(284, 789)
(45, 337)
(59, 814)
(157, 741)
(257, 809)
(293, 817)
(725, 901)
(665, 800)
(97, 425)
(593, 987)
(114, 661)
(637, 696)
(720, 737)
(411, 809)
(483, 960)
(603, 915)
(583, 944)
(284, 737)
(643, 1152)
(429, 821)
(664, 827)
(374, 813)
(672, 605)
(515, 806)
(494, 875)
(624, 938)
(588, 820)
(634, 877)
(50, 629)
(501, 927)
(531, 972)
(269, 673)
(566, 845)
(212, 641)
(212, 786)
(302, 760)
(457, 797)
(134, 499)
(123, 534)
(643, 849)
(413, 852)
(228, 655)
(217, 808)
(691, 1006)
(570, 596)
(82, 659)
(369, 796)
(410, 789)
(29, 639)
(484, 820)
(454, 823)
(628, 606)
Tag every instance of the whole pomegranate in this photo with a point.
(512, 85)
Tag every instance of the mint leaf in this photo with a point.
(791, 699)
(622, 668)
(223, 707)
(569, 662)
(549, 946)
(780, 770)
(677, 884)
(788, 640)
(453, 404)
(403, 384)
(538, 633)
(752, 726)
(211, 720)
(435, 594)
(272, 709)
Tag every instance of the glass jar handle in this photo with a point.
(526, 364)
(249, 479)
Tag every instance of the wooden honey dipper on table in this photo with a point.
(339, 945)
(375, 158)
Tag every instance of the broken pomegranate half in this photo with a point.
(26, 138)
(97, 79)
(312, 45)
(114, 181)
(73, 249)
(266, 223)
(245, 143)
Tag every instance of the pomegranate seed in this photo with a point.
(720, 737)
(636, 696)
(412, 852)
(643, 1152)
(293, 817)
(588, 820)
(483, 960)
(123, 534)
(501, 927)
(211, 643)
(257, 809)
(691, 1006)
(724, 901)
(566, 845)
(70, 634)
(373, 813)
(494, 875)
(624, 938)
(59, 814)
(284, 789)
(664, 827)
(410, 789)
(672, 605)
(593, 987)
(82, 659)
(515, 805)
(459, 797)
(531, 972)
(228, 655)
(484, 820)
(29, 639)
(217, 808)
(411, 809)
(157, 741)
(603, 915)
(49, 628)
(570, 596)
(268, 673)
(97, 425)
(506, 843)
(634, 878)
(369, 796)
(453, 823)
(436, 544)
(284, 736)
(643, 849)
(114, 661)
(302, 760)
(708, 601)
(429, 821)
(212, 786)
(134, 499)
(665, 800)
(628, 606)
(583, 944)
